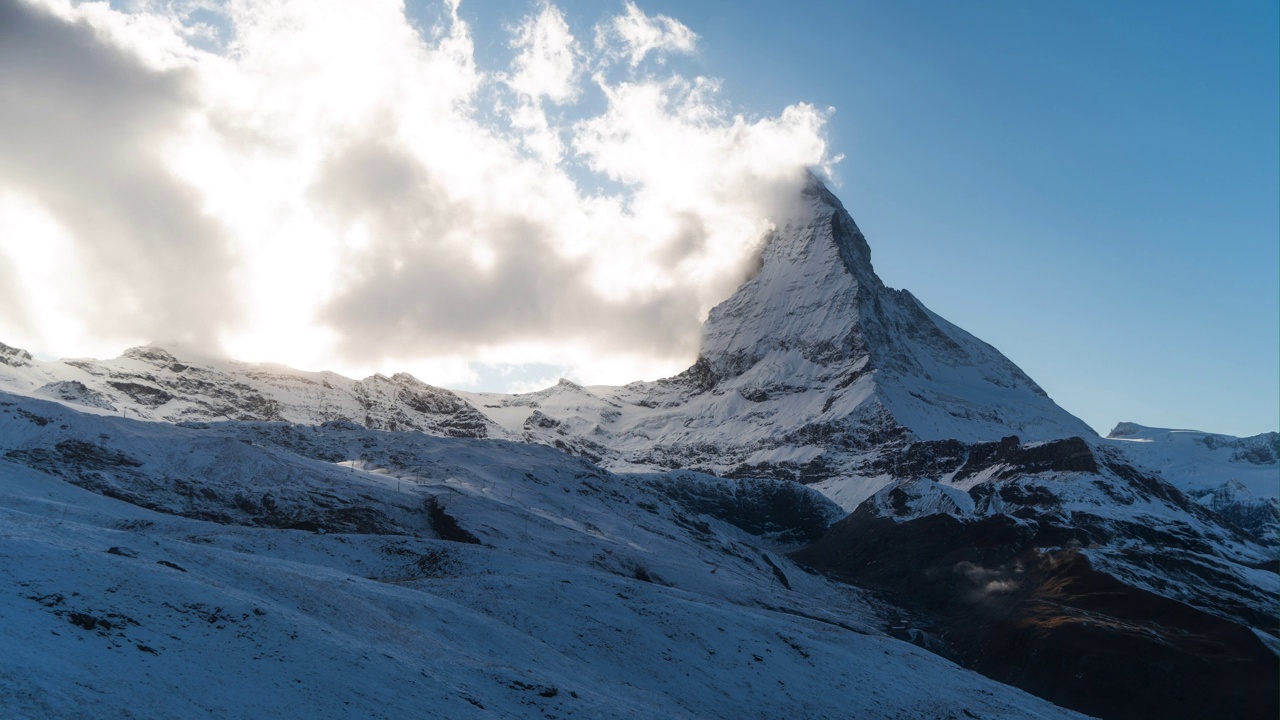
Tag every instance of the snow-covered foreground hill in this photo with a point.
(563, 591)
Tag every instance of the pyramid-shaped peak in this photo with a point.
(815, 271)
(822, 206)
(816, 316)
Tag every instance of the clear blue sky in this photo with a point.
(1091, 186)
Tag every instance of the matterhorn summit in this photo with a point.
(813, 370)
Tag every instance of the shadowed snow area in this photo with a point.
(561, 590)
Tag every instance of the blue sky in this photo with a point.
(1091, 187)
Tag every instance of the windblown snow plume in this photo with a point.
(327, 183)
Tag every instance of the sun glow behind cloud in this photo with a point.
(333, 187)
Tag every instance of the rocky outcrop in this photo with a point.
(1008, 599)
(14, 357)
(1259, 517)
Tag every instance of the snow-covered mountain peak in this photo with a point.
(804, 297)
(1142, 433)
(817, 316)
(1235, 477)
(150, 353)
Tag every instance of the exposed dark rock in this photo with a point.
(74, 391)
(87, 621)
(452, 416)
(537, 419)
(930, 459)
(780, 576)
(1260, 517)
(785, 510)
(37, 419)
(76, 455)
(1048, 622)
(1068, 455)
(145, 395)
(150, 354)
(1261, 449)
(446, 526)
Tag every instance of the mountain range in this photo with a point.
(867, 503)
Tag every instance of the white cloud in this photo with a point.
(634, 35)
(546, 65)
(83, 127)
(332, 189)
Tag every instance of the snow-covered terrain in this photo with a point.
(1194, 460)
(1239, 478)
(563, 591)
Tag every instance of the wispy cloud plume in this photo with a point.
(634, 35)
(332, 186)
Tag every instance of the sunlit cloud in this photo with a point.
(325, 184)
(547, 62)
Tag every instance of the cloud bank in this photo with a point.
(326, 184)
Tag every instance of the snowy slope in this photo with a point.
(565, 591)
(817, 305)
(1194, 460)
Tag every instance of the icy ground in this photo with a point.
(585, 595)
